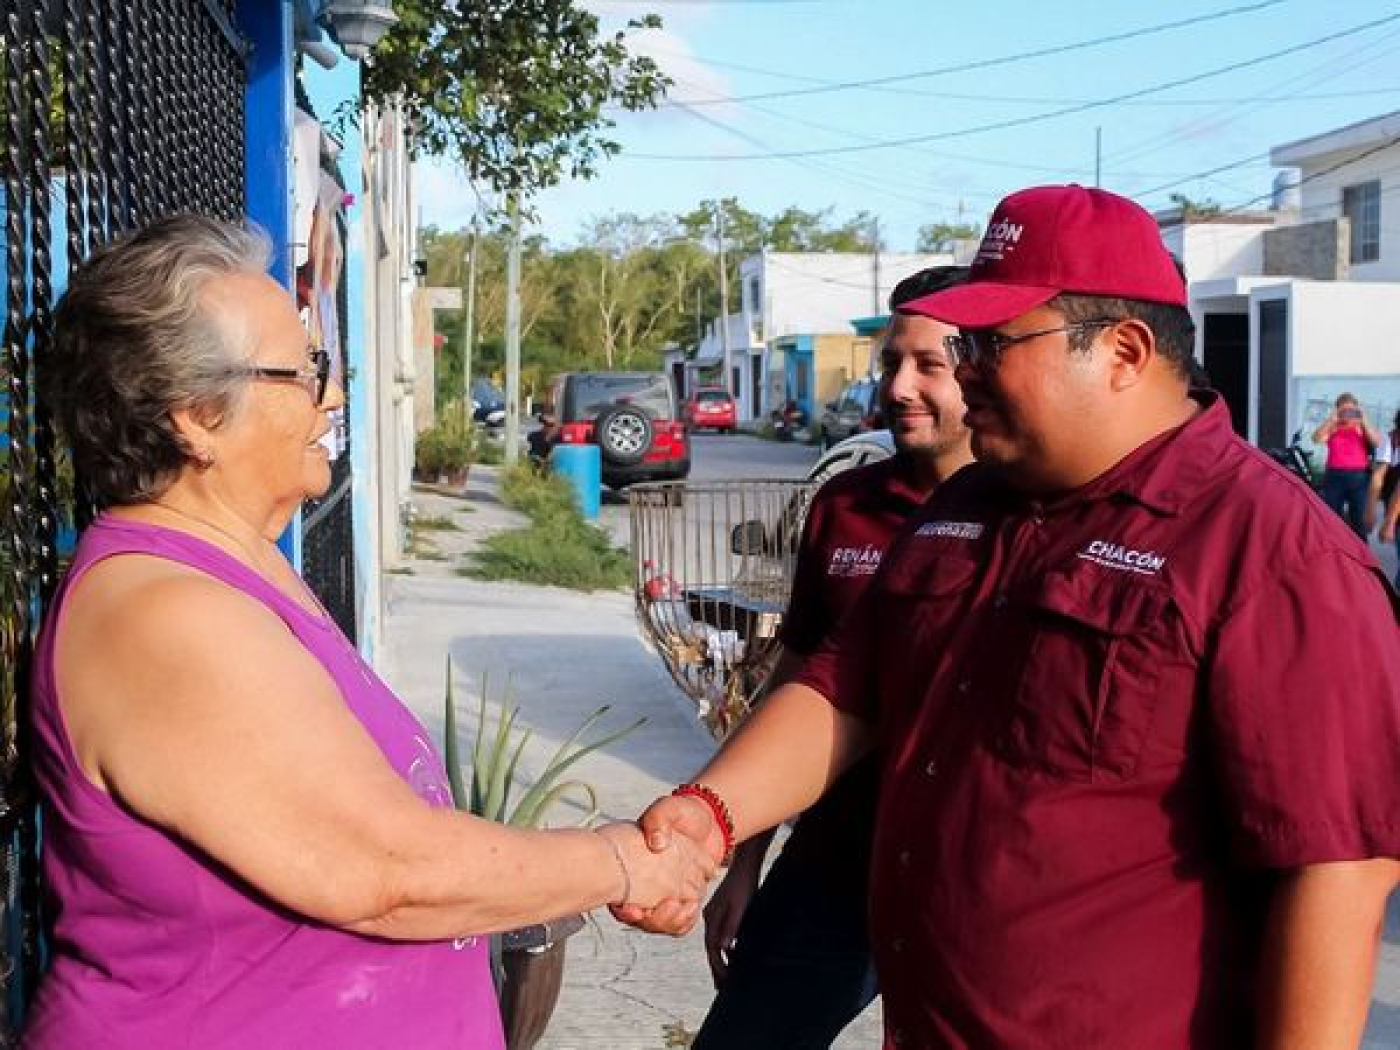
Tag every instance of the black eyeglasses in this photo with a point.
(982, 348)
(319, 373)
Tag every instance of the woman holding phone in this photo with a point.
(1351, 441)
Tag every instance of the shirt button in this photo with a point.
(999, 602)
(904, 858)
(965, 686)
(898, 1036)
(932, 768)
(897, 944)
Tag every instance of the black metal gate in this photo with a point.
(327, 523)
(112, 113)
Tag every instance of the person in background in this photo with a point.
(1384, 502)
(540, 442)
(791, 958)
(1137, 693)
(1350, 441)
(247, 839)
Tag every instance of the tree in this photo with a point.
(941, 236)
(513, 89)
(1194, 209)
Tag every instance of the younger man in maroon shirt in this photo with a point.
(1137, 692)
(791, 960)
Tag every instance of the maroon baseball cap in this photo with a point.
(1051, 239)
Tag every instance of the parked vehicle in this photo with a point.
(633, 419)
(790, 423)
(855, 451)
(712, 407)
(851, 412)
(488, 403)
(1297, 459)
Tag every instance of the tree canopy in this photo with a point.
(942, 236)
(632, 286)
(515, 90)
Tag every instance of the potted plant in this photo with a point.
(443, 452)
(528, 963)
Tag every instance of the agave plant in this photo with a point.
(496, 754)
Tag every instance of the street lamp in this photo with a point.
(357, 24)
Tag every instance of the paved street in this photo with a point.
(719, 456)
(565, 653)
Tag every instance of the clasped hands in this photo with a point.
(681, 851)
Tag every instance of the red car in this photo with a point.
(712, 407)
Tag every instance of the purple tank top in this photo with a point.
(155, 946)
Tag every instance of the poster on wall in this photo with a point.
(320, 255)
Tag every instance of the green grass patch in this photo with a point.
(489, 450)
(558, 548)
(439, 524)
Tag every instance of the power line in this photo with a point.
(961, 96)
(1021, 121)
(988, 63)
(1321, 73)
(1043, 169)
(1392, 141)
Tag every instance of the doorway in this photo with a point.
(1225, 357)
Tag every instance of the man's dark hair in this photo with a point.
(1172, 326)
(926, 282)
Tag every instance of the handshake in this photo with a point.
(668, 859)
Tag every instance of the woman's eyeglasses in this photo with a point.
(316, 378)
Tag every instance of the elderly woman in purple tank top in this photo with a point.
(247, 839)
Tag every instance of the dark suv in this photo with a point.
(631, 416)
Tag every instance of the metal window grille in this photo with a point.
(112, 113)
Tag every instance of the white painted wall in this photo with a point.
(819, 294)
(1322, 199)
(1211, 251)
(1345, 328)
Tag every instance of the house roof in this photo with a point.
(1377, 131)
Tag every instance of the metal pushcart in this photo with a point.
(713, 568)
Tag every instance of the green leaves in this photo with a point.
(514, 89)
(496, 755)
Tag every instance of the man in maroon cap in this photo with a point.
(1137, 690)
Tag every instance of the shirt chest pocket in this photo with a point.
(1085, 691)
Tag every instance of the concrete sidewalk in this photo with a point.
(564, 654)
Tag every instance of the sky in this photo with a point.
(773, 104)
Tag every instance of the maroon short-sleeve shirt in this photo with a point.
(1105, 720)
(853, 518)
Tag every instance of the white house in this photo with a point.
(1296, 305)
(785, 301)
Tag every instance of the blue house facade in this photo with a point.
(127, 113)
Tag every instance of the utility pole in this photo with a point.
(876, 307)
(512, 449)
(724, 301)
(469, 324)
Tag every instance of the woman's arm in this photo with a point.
(193, 704)
(1392, 519)
(1373, 436)
(1323, 432)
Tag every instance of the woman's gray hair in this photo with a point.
(134, 340)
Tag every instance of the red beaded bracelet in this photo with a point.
(718, 810)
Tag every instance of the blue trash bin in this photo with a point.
(582, 467)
